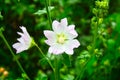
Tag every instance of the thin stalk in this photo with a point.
(47, 2)
(95, 37)
(79, 77)
(56, 73)
(44, 56)
(20, 66)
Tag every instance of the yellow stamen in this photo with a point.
(61, 38)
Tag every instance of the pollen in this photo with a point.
(61, 38)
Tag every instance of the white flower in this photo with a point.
(24, 41)
(61, 39)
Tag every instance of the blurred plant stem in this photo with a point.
(44, 56)
(100, 10)
(15, 58)
(56, 73)
(47, 2)
(79, 77)
(56, 70)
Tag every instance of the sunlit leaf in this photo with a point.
(40, 12)
(41, 76)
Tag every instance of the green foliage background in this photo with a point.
(15, 13)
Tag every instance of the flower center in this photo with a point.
(61, 38)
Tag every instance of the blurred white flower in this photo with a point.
(24, 41)
(61, 39)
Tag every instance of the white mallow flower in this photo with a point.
(62, 38)
(24, 42)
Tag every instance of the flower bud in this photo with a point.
(98, 3)
(106, 63)
(82, 61)
(96, 51)
(100, 20)
(104, 4)
(95, 11)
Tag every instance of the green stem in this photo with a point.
(20, 66)
(48, 12)
(44, 56)
(95, 37)
(79, 77)
(56, 73)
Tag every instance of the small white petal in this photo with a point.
(55, 25)
(71, 29)
(64, 22)
(70, 45)
(56, 49)
(20, 49)
(21, 34)
(50, 42)
(59, 27)
(49, 34)
(24, 31)
(69, 51)
(75, 43)
(16, 45)
(21, 40)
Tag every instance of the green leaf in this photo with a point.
(41, 76)
(84, 54)
(40, 12)
(67, 77)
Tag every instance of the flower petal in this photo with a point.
(75, 43)
(50, 42)
(69, 51)
(21, 34)
(16, 45)
(70, 45)
(59, 27)
(55, 25)
(64, 22)
(49, 34)
(56, 49)
(20, 49)
(21, 40)
(71, 29)
(25, 31)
